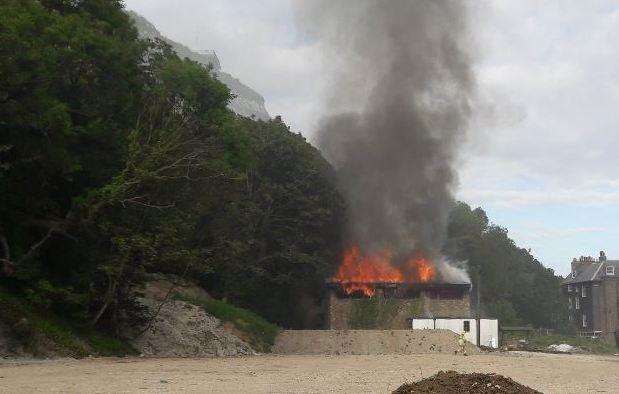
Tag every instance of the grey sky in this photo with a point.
(542, 157)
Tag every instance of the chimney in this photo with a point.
(581, 263)
(602, 256)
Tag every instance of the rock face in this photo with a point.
(246, 102)
(181, 329)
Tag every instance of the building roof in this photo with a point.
(594, 271)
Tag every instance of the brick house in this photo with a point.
(592, 289)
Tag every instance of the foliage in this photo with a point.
(514, 286)
(276, 235)
(70, 88)
(43, 333)
(256, 330)
(117, 158)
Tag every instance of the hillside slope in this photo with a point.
(246, 101)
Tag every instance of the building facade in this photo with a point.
(393, 305)
(592, 291)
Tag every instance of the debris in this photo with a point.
(563, 348)
(474, 383)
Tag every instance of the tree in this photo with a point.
(68, 95)
(514, 286)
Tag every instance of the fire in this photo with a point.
(360, 272)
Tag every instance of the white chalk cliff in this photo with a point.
(246, 102)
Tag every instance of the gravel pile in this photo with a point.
(474, 383)
(181, 329)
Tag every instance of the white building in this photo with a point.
(480, 332)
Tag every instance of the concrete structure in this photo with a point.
(480, 332)
(394, 304)
(592, 291)
(343, 342)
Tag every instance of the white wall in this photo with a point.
(423, 324)
(488, 329)
(489, 332)
(457, 326)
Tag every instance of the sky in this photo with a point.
(542, 154)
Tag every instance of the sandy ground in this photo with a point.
(549, 373)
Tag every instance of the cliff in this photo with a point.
(246, 102)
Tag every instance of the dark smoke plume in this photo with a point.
(399, 103)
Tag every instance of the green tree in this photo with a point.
(513, 285)
(117, 158)
(70, 89)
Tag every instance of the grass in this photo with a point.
(42, 333)
(257, 331)
(60, 335)
(104, 345)
(591, 345)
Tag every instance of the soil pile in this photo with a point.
(181, 329)
(474, 383)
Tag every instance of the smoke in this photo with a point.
(398, 105)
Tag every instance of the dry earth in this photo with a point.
(550, 373)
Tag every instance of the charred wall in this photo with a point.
(389, 309)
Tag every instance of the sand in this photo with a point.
(549, 373)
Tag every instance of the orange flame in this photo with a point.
(359, 273)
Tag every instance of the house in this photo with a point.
(592, 290)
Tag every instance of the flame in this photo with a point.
(359, 273)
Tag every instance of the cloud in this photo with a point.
(522, 198)
(541, 232)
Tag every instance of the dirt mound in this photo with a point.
(474, 383)
(181, 329)
(340, 342)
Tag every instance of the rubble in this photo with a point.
(563, 348)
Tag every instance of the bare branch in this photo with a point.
(33, 249)
(136, 200)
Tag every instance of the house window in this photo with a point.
(584, 320)
(467, 326)
(570, 302)
(610, 270)
(570, 288)
(569, 317)
(584, 291)
(577, 302)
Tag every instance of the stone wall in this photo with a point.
(451, 307)
(606, 306)
(380, 312)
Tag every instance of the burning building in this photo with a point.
(401, 93)
(380, 290)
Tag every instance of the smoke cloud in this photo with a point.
(398, 105)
